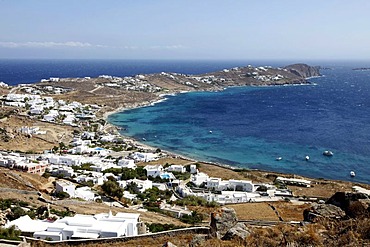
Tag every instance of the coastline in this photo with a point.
(162, 97)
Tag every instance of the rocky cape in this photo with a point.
(128, 92)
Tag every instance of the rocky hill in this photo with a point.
(303, 70)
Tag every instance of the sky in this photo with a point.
(185, 29)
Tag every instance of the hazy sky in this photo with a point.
(187, 29)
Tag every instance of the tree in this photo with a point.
(132, 188)
(112, 188)
(16, 213)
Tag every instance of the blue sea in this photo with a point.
(242, 126)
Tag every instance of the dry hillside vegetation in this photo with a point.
(12, 139)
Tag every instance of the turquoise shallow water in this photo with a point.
(251, 126)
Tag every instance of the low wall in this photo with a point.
(171, 233)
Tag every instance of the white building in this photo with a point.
(66, 171)
(153, 170)
(241, 185)
(142, 185)
(81, 226)
(199, 178)
(216, 184)
(68, 160)
(193, 169)
(127, 163)
(65, 186)
(176, 168)
(145, 157)
(85, 193)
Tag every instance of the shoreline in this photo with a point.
(162, 97)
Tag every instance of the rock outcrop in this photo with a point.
(239, 232)
(223, 221)
(303, 70)
(318, 211)
(354, 204)
(225, 226)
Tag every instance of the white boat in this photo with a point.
(307, 158)
(210, 131)
(328, 153)
(352, 173)
(279, 158)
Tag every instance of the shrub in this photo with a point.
(10, 233)
(194, 218)
(62, 195)
(158, 227)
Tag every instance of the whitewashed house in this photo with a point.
(153, 170)
(36, 109)
(145, 157)
(216, 184)
(68, 160)
(199, 178)
(66, 171)
(127, 163)
(193, 169)
(177, 168)
(241, 185)
(85, 193)
(65, 186)
(142, 185)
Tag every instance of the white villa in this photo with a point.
(142, 185)
(177, 168)
(153, 170)
(199, 178)
(127, 163)
(65, 186)
(84, 193)
(81, 226)
(145, 157)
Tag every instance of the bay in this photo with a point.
(251, 126)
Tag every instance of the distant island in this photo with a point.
(361, 68)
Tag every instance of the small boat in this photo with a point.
(328, 153)
(307, 158)
(210, 131)
(352, 174)
(144, 139)
(279, 158)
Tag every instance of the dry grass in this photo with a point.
(322, 188)
(254, 211)
(290, 211)
(220, 172)
(179, 240)
(37, 143)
